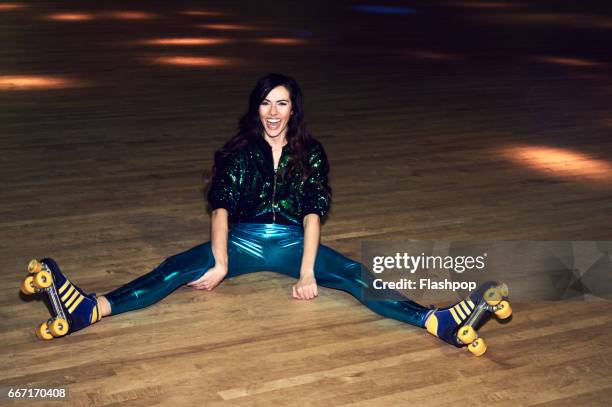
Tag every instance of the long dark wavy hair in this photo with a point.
(250, 128)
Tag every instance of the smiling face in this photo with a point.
(275, 111)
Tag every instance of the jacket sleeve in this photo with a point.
(224, 191)
(317, 193)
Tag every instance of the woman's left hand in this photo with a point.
(306, 288)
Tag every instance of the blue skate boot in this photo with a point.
(72, 308)
(457, 324)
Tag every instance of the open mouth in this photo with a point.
(273, 124)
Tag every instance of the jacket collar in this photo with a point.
(266, 149)
(264, 144)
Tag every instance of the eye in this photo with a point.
(283, 103)
(265, 103)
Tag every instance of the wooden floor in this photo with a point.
(457, 120)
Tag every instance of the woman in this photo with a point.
(268, 194)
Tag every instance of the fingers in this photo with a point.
(297, 292)
(206, 282)
(311, 291)
(196, 283)
(306, 292)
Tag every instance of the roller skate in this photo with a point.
(457, 324)
(72, 308)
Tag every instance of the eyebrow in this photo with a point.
(282, 100)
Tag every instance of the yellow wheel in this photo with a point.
(478, 347)
(504, 310)
(492, 296)
(27, 286)
(59, 327)
(466, 334)
(43, 279)
(503, 289)
(43, 332)
(34, 266)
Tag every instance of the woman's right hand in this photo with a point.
(219, 227)
(210, 279)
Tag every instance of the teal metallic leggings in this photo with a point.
(263, 247)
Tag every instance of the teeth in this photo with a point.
(273, 120)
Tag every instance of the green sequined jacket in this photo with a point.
(247, 186)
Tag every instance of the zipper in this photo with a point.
(273, 195)
(280, 160)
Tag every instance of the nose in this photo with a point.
(273, 109)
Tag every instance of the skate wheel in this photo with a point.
(503, 289)
(43, 332)
(43, 279)
(466, 334)
(27, 286)
(34, 266)
(504, 310)
(478, 347)
(492, 296)
(59, 327)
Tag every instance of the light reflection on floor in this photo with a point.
(111, 15)
(207, 13)
(70, 17)
(183, 41)
(194, 61)
(559, 162)
(130, 15)
(227, 27)
(23, 82)
(581, 62)
(11, 6)
(281, 41)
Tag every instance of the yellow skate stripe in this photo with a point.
(432, 325)
(94, 314)
(76, 304)
(465, 308)
(455, 317)
(68, 293)
(63, 287)
(71, 299)
(99, 310)
(470, 303)
(459, 311)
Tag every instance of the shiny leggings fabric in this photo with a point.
(263, 247)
